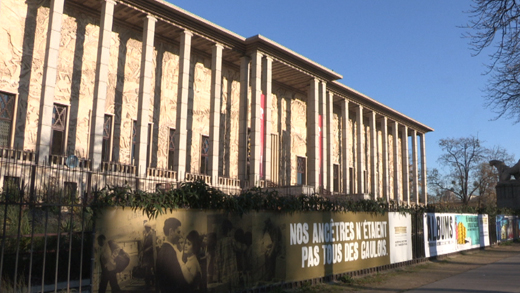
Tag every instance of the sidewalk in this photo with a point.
(495, 269)
(501, 276)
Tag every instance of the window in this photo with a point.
(134, 141)
(335, 183)
(59, 127)
(7, 108)
(204, 155)
(171, 149)
(301, 167)
(107, 138)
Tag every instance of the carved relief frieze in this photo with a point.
(352, 142)
(380, 171)
(125, 63)
(283, 99)
(22, 54)
(229, 120)
(198, 107)
(298, 132)
(336, 138)
(165, 97)
(76, 75)
(391, 166)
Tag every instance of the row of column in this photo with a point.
(254, 161)
(144, 94)
(260, 158)
(319, 117)
(401, 176)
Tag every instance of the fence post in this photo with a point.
(89, 187)
(32, 195)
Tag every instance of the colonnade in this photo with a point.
(254, 164)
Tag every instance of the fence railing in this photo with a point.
(46, 224)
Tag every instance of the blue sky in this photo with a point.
(406, 54)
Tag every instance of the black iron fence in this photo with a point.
(418, 235)
(46, 224)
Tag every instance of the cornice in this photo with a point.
(183, 19)
(289, 57)
(373, 105)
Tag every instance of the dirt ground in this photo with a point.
(403, 279)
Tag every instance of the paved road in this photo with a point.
(501, 276)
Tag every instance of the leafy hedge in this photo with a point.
(200, 196)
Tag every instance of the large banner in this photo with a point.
(213, 252)
(447, 233)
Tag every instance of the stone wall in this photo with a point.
(22, 53)
(508, 195)
(24, 25)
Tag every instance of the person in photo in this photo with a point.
(169, 275)
(190, 265)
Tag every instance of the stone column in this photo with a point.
(215, 100)
(395, 134)
(405, 165)
(182, 104)
(256, 91)
(50, 71)
(373, 156)
(145, 84)
(360, 151)
(312, 134)
(344, 145)
(267, 89)
(423, 170)
(386, 183)
(415, 174)
(101, 84)
(323, 143)
(330, 140)
(242, 126)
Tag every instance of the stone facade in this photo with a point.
(25, 27)
(508, 195)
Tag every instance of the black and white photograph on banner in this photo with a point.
(137, 254)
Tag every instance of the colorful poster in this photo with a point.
(517, 228)
(468, 233)
(216, 252)
(505, 227)
(448, 233)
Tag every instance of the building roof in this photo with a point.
(289, 67)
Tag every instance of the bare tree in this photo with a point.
(496, 23)
(462, 158)
(469, 174)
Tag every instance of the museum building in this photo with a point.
(145, 88)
